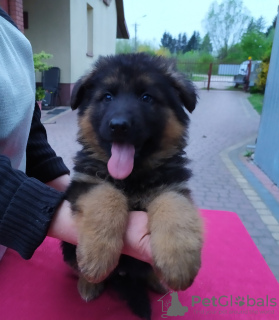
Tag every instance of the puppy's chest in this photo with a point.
(138, 195)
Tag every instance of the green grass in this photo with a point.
(256, 99)
(233, 88)
(198, 78)
(248, 154)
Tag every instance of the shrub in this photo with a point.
(40, 65)
(40, 93)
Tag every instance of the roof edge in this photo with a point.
(122, 30)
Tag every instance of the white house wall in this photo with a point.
(49, 31)
(59, 27)
(104, 34)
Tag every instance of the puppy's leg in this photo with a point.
(101, 220)
(176, 239)
(155, 284)
(89, 291)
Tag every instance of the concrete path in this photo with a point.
(223, 124)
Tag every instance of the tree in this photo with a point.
(271, 28)
(124, 46)
(184, 43)
(256, 25)
(173, 47)
(225, 23)
(181, 43)
(165, 52)
(254, 44)
(206, 45)
(167, 41)
(194, 42)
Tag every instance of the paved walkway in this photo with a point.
(223, 124)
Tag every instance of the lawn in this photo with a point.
(256, 99)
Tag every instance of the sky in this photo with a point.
(154, 17)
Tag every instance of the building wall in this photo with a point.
(14, 9)
(60, 28)
(104, 34)
(4, 4)
(49, 30)
(267, 148)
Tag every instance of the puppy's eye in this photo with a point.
(146, 98)
(107, 97)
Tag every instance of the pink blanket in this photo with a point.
(234, 283)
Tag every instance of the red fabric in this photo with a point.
(45, 288)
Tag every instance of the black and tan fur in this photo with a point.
(152, 95)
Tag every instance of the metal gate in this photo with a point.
(210, 75)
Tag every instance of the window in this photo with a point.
(89, 31)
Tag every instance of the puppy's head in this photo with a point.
(131, 107)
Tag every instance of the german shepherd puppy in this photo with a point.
(133, 130)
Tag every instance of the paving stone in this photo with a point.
(273, 228)
(269, 241)
(275, 235)
(258, 232)
(258, 205)
(263, 212)
(272, 260)
(274, 269)
(264, 249)
(269, 220)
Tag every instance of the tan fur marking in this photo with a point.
(83, 177)
(111, 80)
(101, 220)
(176, 239)
(171, 140)
(89, 137)
(89, 291)
(146, 79)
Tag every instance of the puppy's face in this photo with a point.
(130, 108)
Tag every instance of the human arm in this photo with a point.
(27, 207)
(136, 239)
(37, 210)
(42, 162)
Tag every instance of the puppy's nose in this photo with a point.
(119, 125)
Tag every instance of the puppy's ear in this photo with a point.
(78, 93)
(186, 90)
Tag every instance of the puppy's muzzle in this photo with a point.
(119, 127)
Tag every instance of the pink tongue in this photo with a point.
(121, 162)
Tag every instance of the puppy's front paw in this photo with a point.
(179, 268)
(89, 291)
(176, 239)
(101, 227)
(96, 262)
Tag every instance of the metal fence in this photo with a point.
(210, 75)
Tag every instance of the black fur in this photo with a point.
(144, 127)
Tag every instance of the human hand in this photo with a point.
(60, 183)
(137, 237)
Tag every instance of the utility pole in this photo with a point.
(136, 31)
(136, 44)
